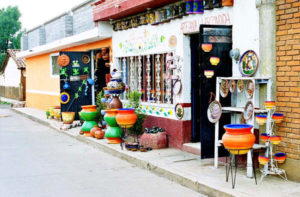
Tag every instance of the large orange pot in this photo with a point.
(227, 2)
(89, 108)
(238, 138)
(126, 118)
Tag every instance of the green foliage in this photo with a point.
(100, 104)
(10, 33)
(134, 98)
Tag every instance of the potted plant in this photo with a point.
(134, 98)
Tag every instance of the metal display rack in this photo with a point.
(258, 81)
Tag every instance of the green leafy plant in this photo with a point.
(134, 98)
(100, 104)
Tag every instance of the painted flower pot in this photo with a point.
(280, 157)
(206, 47)
(56, 112)
(275, 139)
(269, 104)
(89, 108)
(126, 118)
(115, 103)
(154, 140)
(209, 73)
(114, 132)
(51, 111)
(263, 160)
(214, 61)
(238, 138)
(68, 117)
(227, 2)
(264, 137)
(261, 119)
(277, 117)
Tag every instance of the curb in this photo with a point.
(159, 170)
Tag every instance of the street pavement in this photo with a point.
(38, 161)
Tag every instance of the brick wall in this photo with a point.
(288, 75)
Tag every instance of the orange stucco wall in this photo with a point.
(43, 89)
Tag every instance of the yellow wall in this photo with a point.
(42, 89)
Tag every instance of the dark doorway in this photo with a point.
(221, 39)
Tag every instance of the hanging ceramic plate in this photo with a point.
(232, 86)
(249, 89)
(214, 111)
(248, 63)
(64, 98)
(86, 59)
(63, 60)
(224, 89)
(248, 110)
(177, 87)
(179, 111)
(240, 86)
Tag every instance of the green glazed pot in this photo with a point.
(113, 132)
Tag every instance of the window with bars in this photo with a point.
(148, 74)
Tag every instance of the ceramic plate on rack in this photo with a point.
(248, 63)
(224, 89)
(86, 59)
(248, 110)
(214, 111)
(250, 87)
(177, 87)
(240, 86)
(179, 111)
(232, 86)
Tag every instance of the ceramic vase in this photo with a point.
(68, 117)
(89, 114)
(238, 138)
(115, 103)
(126, 118)
(113, 133)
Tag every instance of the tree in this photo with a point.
(10, 34)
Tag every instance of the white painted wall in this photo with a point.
(11, 75)
(243, 16)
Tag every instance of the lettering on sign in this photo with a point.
(193, 26)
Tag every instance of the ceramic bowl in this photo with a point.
(280, 157)
(264, 137)
(275, 139)
(263, 159)
(261, 119)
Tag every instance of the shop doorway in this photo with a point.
(221, 39)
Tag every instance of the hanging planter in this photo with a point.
(238, 138)
(264, 137)
(269, 104)
(206, 47)
(209, 73)
(277, 117)
(280, 157)
(63, 60)
(275, 139)
(214, 61)
(261, 119)
(263, 160)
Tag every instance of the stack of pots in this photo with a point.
(89, 114)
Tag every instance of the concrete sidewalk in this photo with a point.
(184, 168)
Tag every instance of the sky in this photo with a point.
(36, 12)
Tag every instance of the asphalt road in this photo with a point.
(38, 161)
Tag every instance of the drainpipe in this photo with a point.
(267, 41)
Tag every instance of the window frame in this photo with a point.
(51, 66)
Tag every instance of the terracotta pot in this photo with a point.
(227, 2)
(263, 159)
(154, 140)
(115, 103)
(280, 157)
(238, 138)
(126, 118)
(99, 134)
(68, 117)
(89, 108)
(92, 131)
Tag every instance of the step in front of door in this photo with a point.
(193, 148)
